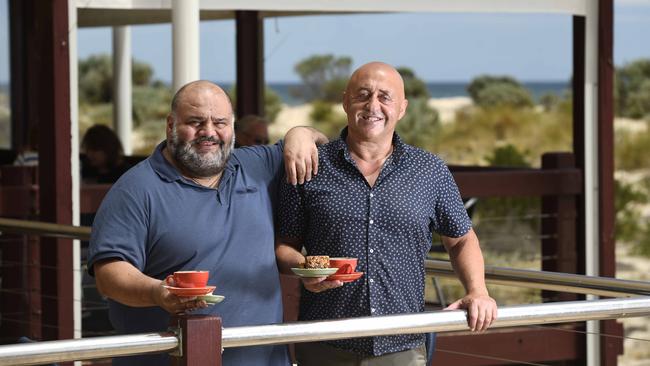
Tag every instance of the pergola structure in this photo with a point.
(43, 94)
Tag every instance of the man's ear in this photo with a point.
(402, 108)
(345, 102)
(170, 123)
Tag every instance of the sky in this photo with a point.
(439, 47)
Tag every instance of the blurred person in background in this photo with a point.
(104, 161)
(252, 130)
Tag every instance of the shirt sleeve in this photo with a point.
(263, 159)
(290, 215)
(449, 215)
(119, 230)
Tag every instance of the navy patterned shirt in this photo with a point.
(388, 227)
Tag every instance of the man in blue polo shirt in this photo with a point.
(197, 204)
(379, 200)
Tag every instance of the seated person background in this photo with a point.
(104, 156)
(251, 130)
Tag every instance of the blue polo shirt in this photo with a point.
(161, 222)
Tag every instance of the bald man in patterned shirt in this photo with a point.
(379, 200)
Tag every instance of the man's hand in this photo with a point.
(481, 310)
(122, 282)
(175, 304)
(301, 154)
(320, 284)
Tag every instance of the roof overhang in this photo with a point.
(99, 13)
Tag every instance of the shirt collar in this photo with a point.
(399, 147)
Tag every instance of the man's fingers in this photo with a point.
(300, 171)
(314, 161)
(308, 170)
(290, 169)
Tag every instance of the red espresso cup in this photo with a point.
(190, 279)
(345, 265)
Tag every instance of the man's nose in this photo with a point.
(207, 129)
(372, 104)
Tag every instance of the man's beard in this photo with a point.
(200, 165)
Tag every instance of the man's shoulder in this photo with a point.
(423, 156)
(139, 178)
(256, 154)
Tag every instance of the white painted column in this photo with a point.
(74, 163)
(592, 239)
(185, 41)
(122, 90)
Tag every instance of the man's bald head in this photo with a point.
(189, 89)
(373, 69)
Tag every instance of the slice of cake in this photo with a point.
(317, 261)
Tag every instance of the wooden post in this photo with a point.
(611, 347)
(200, 340)
(559, 228)
(250, 63)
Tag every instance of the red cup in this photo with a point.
(345, 264)
(190, 279)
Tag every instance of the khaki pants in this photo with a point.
(321, 354)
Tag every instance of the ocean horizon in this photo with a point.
(289, 91)
(286, 91)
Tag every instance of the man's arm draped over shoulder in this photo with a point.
(301, 153)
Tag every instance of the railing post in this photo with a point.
(559, 252)
(200, 337)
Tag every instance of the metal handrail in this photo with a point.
(436, 321)
(544, 280)
(556, 281)
(44, 229)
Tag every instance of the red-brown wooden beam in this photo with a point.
(17, 54)
(250, 63)
(510, 346)
(611, 347)
(200, 340)
(518, 183)
(47, 86)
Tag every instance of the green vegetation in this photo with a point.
(633, 89)
(272, 103)
(324, 77)
(5, 121)
(499, 91)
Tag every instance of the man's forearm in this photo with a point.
(122, 282)
(467, 260)
(316, 136)
(288, 257)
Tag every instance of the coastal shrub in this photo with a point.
(632, 89)
(628, 218)
(96, 78)
(323, 76)
(494, 91)
(631, 149)
(414, 87)
(420, 126)
(272, 102)
(504, 94)
(326, 119)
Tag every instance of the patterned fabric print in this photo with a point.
(388, 227)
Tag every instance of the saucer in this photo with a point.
(314, 272)
(211, 299)
(347, 277)
(190, 291)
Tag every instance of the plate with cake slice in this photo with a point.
(314, 272)
(315, 266)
